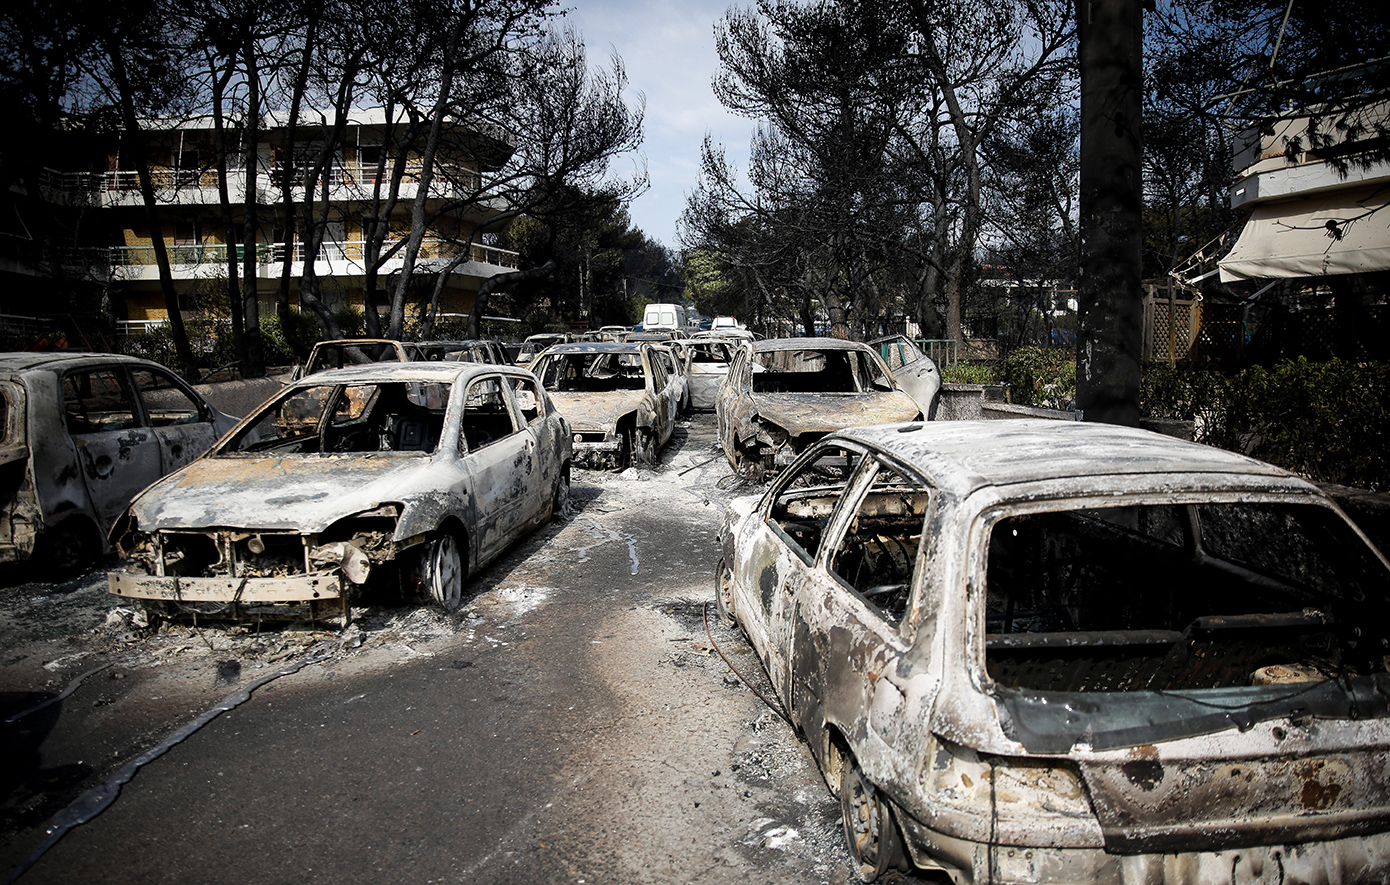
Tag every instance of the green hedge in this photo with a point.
(1327, 421)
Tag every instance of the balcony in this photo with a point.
(341, 259)
(346, 182)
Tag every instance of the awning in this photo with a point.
(1320, 235)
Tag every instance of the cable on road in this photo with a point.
(96, 800)
(771, 705)
(72, 687)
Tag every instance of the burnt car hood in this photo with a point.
(300, 494)
(597, 411)
(799, 413)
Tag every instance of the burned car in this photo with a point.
(339, 352)
(424, 471)
(1037, 651)
(82, 434)
(914, 371)
(619, 397)
(467, 350)
(707, 362)
(782, 394)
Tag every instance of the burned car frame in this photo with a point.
(1040, 652)
(430, 468)
(782, 394)
(620, 399)
(83, 433)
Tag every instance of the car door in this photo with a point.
(914, 371)
(780, 561)
(500, 460)
(850, 663)
(661, 387)
(118, 457)
(183, 425)
(529, 406)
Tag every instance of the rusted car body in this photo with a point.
(782, 394)
(620, 400)
(434, 468)
(83, 433)
(706, 364)
(1042, 652)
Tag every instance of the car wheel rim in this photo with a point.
(724, 593)
(446, 573)
(865, 822)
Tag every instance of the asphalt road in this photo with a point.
(570, 724)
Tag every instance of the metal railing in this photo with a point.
(274, 253)
(447, 177)
(943, 351)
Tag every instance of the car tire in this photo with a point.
(67, 547)
(870, 833)
(644, 452)
(724, 594)
(441, 570)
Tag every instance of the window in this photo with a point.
(486, 417)
(877, 554)
(528, 399)
(1170, 597)
(802, 503)
(166, 404)
(97, 401)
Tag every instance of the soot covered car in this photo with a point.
(782, 394)
(1042, 652)
(82, 434)
(425, 471)
(620, 399)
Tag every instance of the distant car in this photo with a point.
(534, 344)
(912, 369)
(339, 352)
(469, 350)
(620, 400)
(1046, 651)
(83, 433)
(706, 364)
(433, 468)
(782, 394)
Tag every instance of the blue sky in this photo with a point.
(667, 47)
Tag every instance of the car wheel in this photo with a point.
(869, 829)
(724, 593)
(441, 571)
(67, 548)
(644, 447)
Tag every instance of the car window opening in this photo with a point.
(592, 373)
(388, 417)
(1181, 597)
(879, 549)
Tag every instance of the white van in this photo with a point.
(663, 316)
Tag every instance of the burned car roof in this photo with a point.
(600, 347)
(773, 344)
(964, 456)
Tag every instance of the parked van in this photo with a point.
(663, 316)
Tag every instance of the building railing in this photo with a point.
(446, 176)
(274, 253)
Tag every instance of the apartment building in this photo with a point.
(181, 156)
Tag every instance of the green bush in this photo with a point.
(1326, 421)
(972, 372)
(1041, 376)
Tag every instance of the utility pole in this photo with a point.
(1111, 319)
